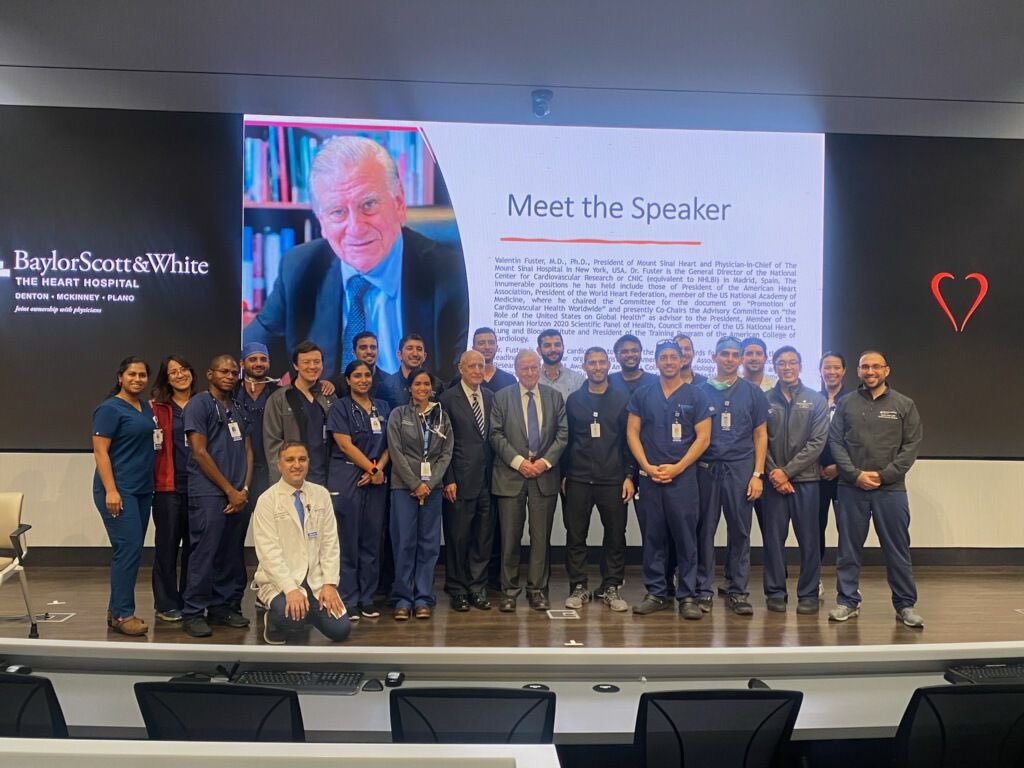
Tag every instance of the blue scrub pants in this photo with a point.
(360, 527)
(416, 541)
(668, 516)
(170, 523)
(126, 532)
(723, 488)
(802, 508)
(209, 585)
(334, 629)
(890, 511)
(230, 559)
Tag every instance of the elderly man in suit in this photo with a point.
(529, 431)
(467, 514)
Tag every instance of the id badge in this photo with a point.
(726, 421)
(424, 470)
(677, 433)
(375, 425)
(235, 430)
(595, 429)
(158, 439)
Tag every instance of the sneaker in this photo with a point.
(910, 617)
(613, 599)
(227, 617)
(739, 605)
(196, 626)
(706, 603)
(368, 612)
(580, 595)
(689, 609)
(842, 613)
(271, 635)
(651, 604)
(775, 604)
(172, 616)
(807, 605)
(354, 617)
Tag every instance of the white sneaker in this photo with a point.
(910, 617)
(613, 600)
(842, 613)
(580, 595)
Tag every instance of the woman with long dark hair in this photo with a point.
(174, 386)
(420, 443)
(357, 481)
(124, 441)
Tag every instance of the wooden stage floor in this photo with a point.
(959, 604)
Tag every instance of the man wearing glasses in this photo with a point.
(874, 436)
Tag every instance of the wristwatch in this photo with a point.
(758, 475)
(374, 469)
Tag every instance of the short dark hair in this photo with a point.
(787, 348)
(682, 335)
(362, 335)
(411, 337)
(753, 340)
(594, 351)
(830, 353)
(484, 329)
(873, 352)
(304, 348)
(217, 358)
(549, 332)
(291, 444)
(629, 337)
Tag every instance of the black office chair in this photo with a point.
(219, 712)
(472, 716)
(721, 728)
(981, 726)
(29, 708)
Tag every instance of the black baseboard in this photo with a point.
(968, 556)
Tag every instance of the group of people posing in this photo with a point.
(312, 462)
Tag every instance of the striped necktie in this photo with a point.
(355, 315)
(478, 413)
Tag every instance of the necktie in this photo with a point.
(532, 425)
(300, 509)
(478, 412)
(355, 315)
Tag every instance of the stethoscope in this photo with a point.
(360, 414)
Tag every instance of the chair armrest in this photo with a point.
(756, 683)
(16, 535)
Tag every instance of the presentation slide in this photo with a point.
(119, 235)
(596, 232)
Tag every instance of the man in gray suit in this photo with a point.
(529, 431)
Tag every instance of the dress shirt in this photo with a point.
(382, 303)
(567, 381)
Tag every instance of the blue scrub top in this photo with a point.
(207, 416)
(180, 448)
(131, 444)
(687, 405)
(316, 441)
(629, 387)
(747, 407)
(254, 415)
(347, 418)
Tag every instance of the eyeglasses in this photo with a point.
(873, 367)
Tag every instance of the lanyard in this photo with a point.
(425, 428)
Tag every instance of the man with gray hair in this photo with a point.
(366, 272)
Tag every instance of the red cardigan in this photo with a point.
(163, 467)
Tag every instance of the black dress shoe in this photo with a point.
(460, 603)
(507, 605)
(226, 617)
(539, 602)
(479, 601)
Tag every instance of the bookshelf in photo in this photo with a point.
(278, 215)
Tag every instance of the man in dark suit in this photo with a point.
(528, 433)
(467, 515)
(367, 271)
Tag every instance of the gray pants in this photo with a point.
(512, 513)
(891, 512)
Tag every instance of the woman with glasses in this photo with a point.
(125, 438)
(420, 443)
(174, 386)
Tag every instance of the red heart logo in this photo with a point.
(937, 279)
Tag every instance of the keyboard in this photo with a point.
(1007, 672)
(335, 683)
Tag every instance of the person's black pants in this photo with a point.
(580, 500)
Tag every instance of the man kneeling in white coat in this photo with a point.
(296, 538)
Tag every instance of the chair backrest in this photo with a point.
(472, 716)
(10, 514)
(29, 708)
(953, 725)
(724, 728)
(219, 712)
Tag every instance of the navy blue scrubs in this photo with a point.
(316, 441)
(360, 511)
(723, 473)
(215, 555)
(668, 512)
(132, 455)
